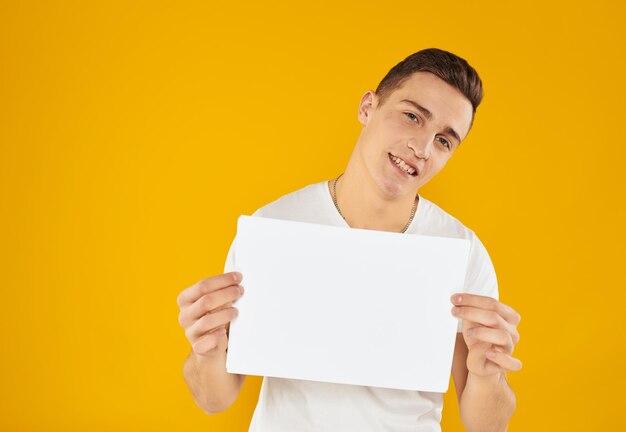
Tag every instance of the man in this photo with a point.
(412, 125)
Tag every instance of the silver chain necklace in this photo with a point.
(337, 206)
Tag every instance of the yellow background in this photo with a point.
(134, 133)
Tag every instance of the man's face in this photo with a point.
(421, 123)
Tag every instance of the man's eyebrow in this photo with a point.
(429, 116)
(453, 133)
(424, 111)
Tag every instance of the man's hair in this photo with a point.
(449, 67)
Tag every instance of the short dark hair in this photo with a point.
(449, 67)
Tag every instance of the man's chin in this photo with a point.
(394, 189)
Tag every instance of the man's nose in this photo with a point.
(421, 146)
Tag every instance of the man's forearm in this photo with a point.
(487, 403)
(212, 388)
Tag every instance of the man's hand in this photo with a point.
(490, 332)
(206, 310)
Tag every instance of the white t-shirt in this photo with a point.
(302, 405)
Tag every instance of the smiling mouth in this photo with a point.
(402, 165)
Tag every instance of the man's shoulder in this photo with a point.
(480, 267)
(442, 223)
(296, 201)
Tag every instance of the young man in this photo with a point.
(412, 125)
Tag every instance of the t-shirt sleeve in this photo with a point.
(230, 264)
(480, 277)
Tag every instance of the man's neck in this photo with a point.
(365, 206)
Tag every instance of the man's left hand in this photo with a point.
(490, 332)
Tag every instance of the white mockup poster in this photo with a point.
(345, 305)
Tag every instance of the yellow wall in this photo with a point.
(133, 135)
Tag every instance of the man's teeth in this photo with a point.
(402, 165)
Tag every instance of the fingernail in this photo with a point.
(238, 276)
(455, 310)
(240, 289)
(491, 354)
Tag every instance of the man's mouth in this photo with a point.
(403, 165)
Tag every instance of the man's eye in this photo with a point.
(445, 142)
(411, 116)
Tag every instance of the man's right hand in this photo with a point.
(206, 311)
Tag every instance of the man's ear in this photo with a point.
(368, 103)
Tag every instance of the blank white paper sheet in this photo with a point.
(345, 305)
